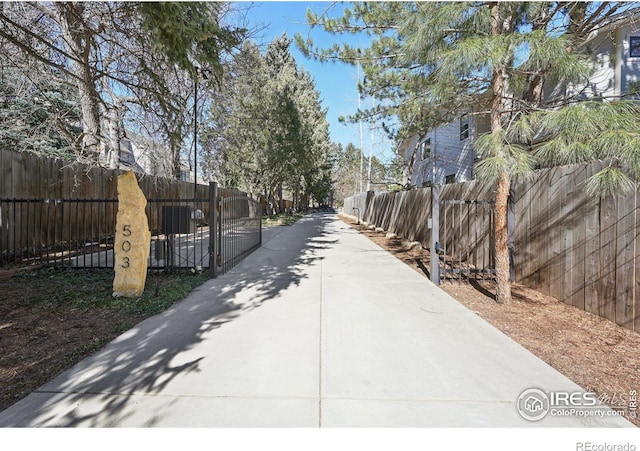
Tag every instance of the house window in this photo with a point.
(464, 128)
(425, 149)
(634, 46)
(451, 178)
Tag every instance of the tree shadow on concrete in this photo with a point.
(145, 359)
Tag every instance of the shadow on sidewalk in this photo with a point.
(148, 357)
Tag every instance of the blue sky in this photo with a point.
(336, 82)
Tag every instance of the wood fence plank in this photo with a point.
(522, 233)
(577, 211)
(411, 220)
(636, 278)
(564, 225)
(534, 232)
(6, 184)
(575, 274)
(20, 192)
(395, 211)
(592, 252)
(424, 235)
(556, 234)
(540, 228)
(607, 276)
(625, 260)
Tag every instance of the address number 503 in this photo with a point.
(126, 245)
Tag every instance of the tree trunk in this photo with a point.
(280, 199)
(115, 118)
(534, 91)
(113, 154)
(78, 37)
(504, 180)
(270, 202)
(503, 273)
(175, 159)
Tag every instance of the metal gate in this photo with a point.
(213, 232)
(238, 230)
(467, 245)
(80, 233)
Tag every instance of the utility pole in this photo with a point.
(199, 73)
(373, 104)
(360, 124)
(195, 136)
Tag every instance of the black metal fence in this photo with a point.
(80, 232)
(185, 233)
(180, 238)
(239, 230)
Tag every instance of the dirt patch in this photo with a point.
(595, 353)
(51, 319)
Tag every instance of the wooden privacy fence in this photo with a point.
(577, 248)
(46, 202)
(464, 236)
(66, 216)
(580, 249)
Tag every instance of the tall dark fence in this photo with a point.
(239, 230)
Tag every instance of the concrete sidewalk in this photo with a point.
(318, 328)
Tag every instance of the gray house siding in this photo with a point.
(616, 73)
(445, 154)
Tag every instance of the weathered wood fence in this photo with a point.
(27, 176)
(581, 249)
(577, 248)
(46, 202)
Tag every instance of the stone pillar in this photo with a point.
(133, 239)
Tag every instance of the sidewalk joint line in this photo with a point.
(320, 353)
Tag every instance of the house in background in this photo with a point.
(616, 46)
(445, 154)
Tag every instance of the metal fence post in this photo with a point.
(435, 234)
(511, 231)
(213, 230)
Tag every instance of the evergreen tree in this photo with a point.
(428, 61)
(235, 138)
(38, 113)
(269, 134)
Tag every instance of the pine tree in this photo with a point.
(428, 61)
(268, 133)
(38, 114)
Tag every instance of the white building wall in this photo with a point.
(602, 82)
(614, 67)
(629, 65)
